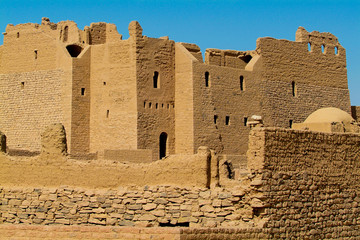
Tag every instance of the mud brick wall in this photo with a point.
(142, 207)
(310, 182)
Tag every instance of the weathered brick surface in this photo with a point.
(310, 182)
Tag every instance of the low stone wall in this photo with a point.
(145, 207)
(310, 182)
(125, 233)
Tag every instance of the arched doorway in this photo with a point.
(162, 144)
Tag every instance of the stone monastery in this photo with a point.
(105, 138)
(145, 98)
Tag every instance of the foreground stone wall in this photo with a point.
(142, 207)
(310, 182)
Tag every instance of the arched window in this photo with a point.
(323, 49)
(163, 144)
(66, 33)
(74, 50)
(294, 89)
(156, 79)
(207, 80)
(242, 83)
(336, 51)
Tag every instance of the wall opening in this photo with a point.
(22, 85)
(207, 81)
(245, 121)
(144, 104)
(36, 54)
(309, 47)
(215, 118)
(107, 113)
(163, 144)
(65, 34)
(156, 105)
(323, 48)
(74, 50)
(82, 91)
(336, 51)
(294, 89)
(162, 105)
(290, 123)
(156, 79)
(17, 34)
(227, 120)
(149, 104)
(104, 83)
(242, 83)
(168, 224)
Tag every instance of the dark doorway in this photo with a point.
(163, 144)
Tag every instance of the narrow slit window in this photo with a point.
(294, 89)
(36, 54)
(215, 118)
(242, 83)
(245, 121)
(144, 104)
(207, 81)
(323, 49)
(22, 85)
(104, 83)
(149, 104)
(17, 34)
(107, 113)
(168, 105)
(290, 123)
(309, 47)
(227, 120)
(156, 79)
(162, 105)
(336, 51)
(82, 91)
(156, 105)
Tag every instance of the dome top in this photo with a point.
(329, 115)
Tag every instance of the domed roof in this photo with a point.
(329, 115)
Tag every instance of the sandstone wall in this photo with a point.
(156, 113)
(310, 182)
(35, 75)
(113, 112)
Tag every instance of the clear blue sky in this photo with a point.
(220, 24)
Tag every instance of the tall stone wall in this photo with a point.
(113, 112)
(310, 182)
(156, 114)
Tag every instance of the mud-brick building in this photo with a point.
(143, 98)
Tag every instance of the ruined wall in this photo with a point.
(310, 182)
(299, 77)
(35, 74)
(155, 70)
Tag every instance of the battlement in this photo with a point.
(319, 42)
